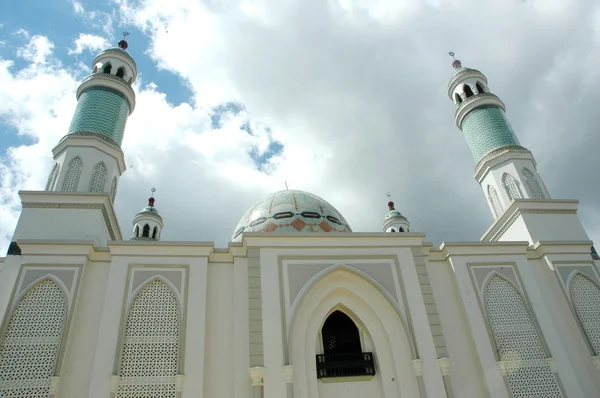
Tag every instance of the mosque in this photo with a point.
(298, 305)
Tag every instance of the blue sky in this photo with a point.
(345, 99)
(58, 20)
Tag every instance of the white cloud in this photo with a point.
(21, 32)
(96, 19)
(89, 42)
(355, 90)
(37, 50)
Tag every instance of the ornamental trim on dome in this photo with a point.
(299, 212)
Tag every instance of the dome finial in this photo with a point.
(123, 44)
(390, 201)
(456, 64)
(152, 200)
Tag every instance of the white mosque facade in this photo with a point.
(298, 305)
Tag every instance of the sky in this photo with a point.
(346, 99)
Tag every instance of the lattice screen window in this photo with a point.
(98, 178)
(52, 178)
(586, 300)
(113, 189)
(518, 342)
(532, 185)
(151, 347)
(30, 347)
(72, 177)
(493, 197)
(511, 186)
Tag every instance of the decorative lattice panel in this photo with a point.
(52, 178)
(532, 185)
(113, 189)
(586, 300)
(30, 347)
(151, 346)
(493, 196)
(518, 343)
(72, 177)
(98, 178)
(512, 187)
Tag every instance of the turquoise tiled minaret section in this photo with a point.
(486, 128)
(101, 110)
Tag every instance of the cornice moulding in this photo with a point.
(527, 206)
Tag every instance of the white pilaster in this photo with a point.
(434, 385)
(195, 334)
(112, 312)
(492, 373)
(275, 386)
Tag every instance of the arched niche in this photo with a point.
(381, 329)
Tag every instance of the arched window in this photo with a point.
(479, 88)
(107, 68)
(30, 347)
(586, 300)
(52, 178)
(457, 98)
(494, 200)
(113, 189)
(146, 231)
(95, 69)
(535, 192)
(154, 232)
(518, 342)
(136, 233)
(149, 357)
(340, 335)
(98, 178)
(121, 72)
(468, 91)
(392, 230)
(511, 186)
(72, 177)
(400, 229)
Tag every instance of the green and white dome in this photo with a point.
(291, 211)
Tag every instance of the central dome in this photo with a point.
(291, 211)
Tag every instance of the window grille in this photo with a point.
(30, 347)
(113, 189)
(72, 177)
(151, 345)
(52, 178)
(532, 185)
(586, 300)
(511, 186)
(98, 178)
(518, 343)
(494, 200)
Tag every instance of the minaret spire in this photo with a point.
(394, 221)
(505, 170)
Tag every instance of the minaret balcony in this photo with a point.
(476, 101)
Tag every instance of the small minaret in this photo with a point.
(147, 224)
(505, 170)
(394, 221)
(89, 158)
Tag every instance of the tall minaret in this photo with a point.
(89, 158)
(506, 171)
(77, 203)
